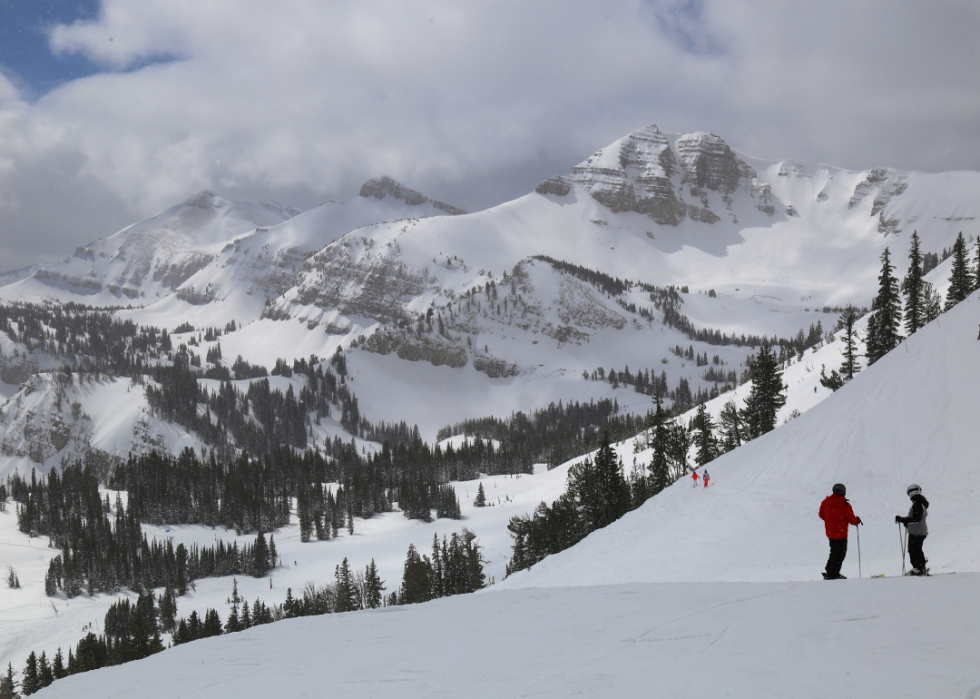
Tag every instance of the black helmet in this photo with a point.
(839, 489)
(913, 490)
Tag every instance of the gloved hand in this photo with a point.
(899, 519)
(859, 521)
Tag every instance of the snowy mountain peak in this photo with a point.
(384, 186)
(709, 162)
(205, 199)
(666, 177)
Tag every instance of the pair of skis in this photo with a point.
(925, 574)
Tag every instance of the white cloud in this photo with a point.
(471, 102)
(8, 93)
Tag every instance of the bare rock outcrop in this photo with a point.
(356, 282)
(644, 172)
(381, 187)
(557, 185)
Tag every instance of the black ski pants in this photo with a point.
(916, 556)
(838, 551)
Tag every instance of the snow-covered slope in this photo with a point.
(52, 423)
(804, 640)
(908, 418)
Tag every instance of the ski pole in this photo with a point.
(901, 542)
(858, 527)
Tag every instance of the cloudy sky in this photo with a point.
(112, 110)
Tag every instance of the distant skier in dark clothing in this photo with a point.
(916, 526)
(837, 515)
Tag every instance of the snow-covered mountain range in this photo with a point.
(431, 302)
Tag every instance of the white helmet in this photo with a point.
(913, 490)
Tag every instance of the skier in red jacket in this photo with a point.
(837, 514)
(695, 477)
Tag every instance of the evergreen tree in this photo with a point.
(933, 303)
(915, 301)
(731, 426)
(679, 445)
(767, 395)
(45, 675)
(416, 578)
(473, 561)
(50, 581)
(345, 589)
(706, 442)
(290, 607)
(850, 366)
(660, 443)
(447, 503)
(233, 624)
(168, 610)
(246, 619)
(598, 487)
(960, 279)
(260, 556)
(181, 565)
(481, 497)
(273, 555)
(211, 625)
(374, 587)
(30, 682)
(886, 314)
(58, 665)
(8, 688)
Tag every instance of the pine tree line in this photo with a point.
(551, 435)
(103, 548)
(922, 303)
(598, 492)
(132, 631)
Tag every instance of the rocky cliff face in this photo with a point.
(381, 187)
(664, 177)
(355, 279)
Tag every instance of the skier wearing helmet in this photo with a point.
(915, 524)
(837, 514)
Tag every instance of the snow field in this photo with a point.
(863, 638)
(33, 621)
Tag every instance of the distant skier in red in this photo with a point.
(705, 478)
(837, 515)
(695, 477)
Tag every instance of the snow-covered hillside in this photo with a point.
(867, 638)
(909, 418)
